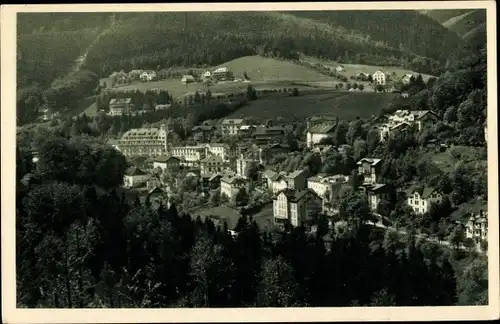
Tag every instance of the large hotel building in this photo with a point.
(144, 142)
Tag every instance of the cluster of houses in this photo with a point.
(124, 106)
(297, 196)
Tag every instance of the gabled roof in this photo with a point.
(203, 128)
(295, 174)
(232, 179)
(322, 128)
(213, 159)
(262, 130)
(421, 113)
(400, 125)
(372, 161)
(295, 195)
(156, 190)
(270, 174)
(377, 187)
(166, 158)
(424, 192)
(134, 171)
(119, 101)
(232, 121)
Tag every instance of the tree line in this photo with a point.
(83, 245)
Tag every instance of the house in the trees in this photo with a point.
(203, 133)
(162, 106)
(295, 207)
(407, 78)
(370, 169)
(318, 132)
(420, 198)
(379, 77)
(144, 142)
(374, 194)
(339, 68)
(207, 75)
(246, 130)
(212, 164)
(474, 216)
(268, 134)
(266, 152)
(211, 181)
(401, 119)
(222, 74)
(120, 106)
(225, 151)
(230, 185)
(278, 181)
(242, 165)
(230, 127)
(166, 162)
(148, 76)
(323, 184)
(135, 177)
(188, 79)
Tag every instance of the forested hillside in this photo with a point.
(466, 22)
(416, 33)
(149, 40)
(442, 15)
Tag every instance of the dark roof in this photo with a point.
(322, 128)
(203, 128)
(135, 171)
(165, 158)
(424, 192)
(259, 131)
(294, 195)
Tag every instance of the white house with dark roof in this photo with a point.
(474, 216)
(148, 76)
(375, 192)
(120, 106)
(379, 77)
(166, 162)
(279, 181)
(230, 127)
(134, 177)
(230, 185)
(212, 164)
(295, 206)
(318, 132)
(420, 198)
(370, 169)
(404, 118)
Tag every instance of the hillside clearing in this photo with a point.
(353, 69)
(447, 160)
(345, 105)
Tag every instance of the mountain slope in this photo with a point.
(466, 22)
(406, 30)
(442, 15)
(151, 40)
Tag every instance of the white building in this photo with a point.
(370, 169)
(187, 79)
(144, 142)
(403, 118)
(221, 149)
(222, 74)
(189, 155)
(162, 106)
(321, 184)
(277, 182)
(212, 164)
(379, 77)
(231, 185)
(295, 207)
(230, 127)
(421, 199)
(242, 165)
(134, 177)
(148, 76)
(120, 106)
(318, 132)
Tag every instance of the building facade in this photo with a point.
(318, 132)
(230, 127)
(231, 185)
(144, 142)
(166, 163)
(379, 77)
(212, 164)
(120, 106)
(421, 199)
(370, 169)
(135, 177)
(295, 207)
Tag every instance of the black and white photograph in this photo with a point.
(286, 157)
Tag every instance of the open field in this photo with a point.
(346, 105)
(446, 161)
(353, 69)
(260, 68)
